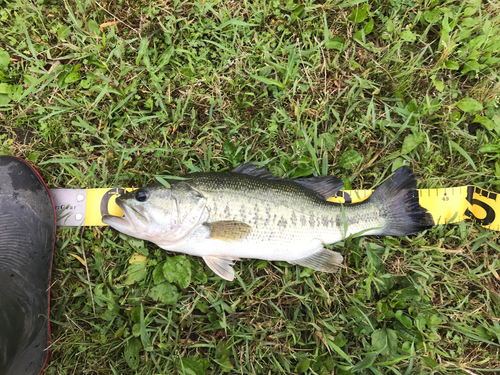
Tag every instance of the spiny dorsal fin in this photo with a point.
(229, 231)
(324, 260)
(221, 266)
(253, 170)
(325, 186)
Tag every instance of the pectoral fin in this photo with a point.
(324, 260)
(229, 231)
(221, 266)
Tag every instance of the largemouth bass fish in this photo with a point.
(249, 213)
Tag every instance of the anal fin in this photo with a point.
(221, 266)
(323, 260)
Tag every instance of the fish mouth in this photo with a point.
(133, 216)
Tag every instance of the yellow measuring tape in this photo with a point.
(447, 205)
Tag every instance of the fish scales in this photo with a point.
(270, 207)
(248, 213)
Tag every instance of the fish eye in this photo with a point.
(141, 196)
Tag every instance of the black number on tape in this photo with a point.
(345, 195)
(490, 213)
(107, 197)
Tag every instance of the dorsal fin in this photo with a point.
(253, 170)
(325, 186)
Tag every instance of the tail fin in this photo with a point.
(398, 197)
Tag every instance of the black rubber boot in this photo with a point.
(27, 234)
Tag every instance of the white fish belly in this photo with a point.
(248, 249)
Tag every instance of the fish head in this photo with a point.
(158, 214)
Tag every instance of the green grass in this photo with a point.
(353, 88)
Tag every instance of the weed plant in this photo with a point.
(106, 94)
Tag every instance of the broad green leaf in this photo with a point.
(4, 58)
(472, 66)
(61, 79)
(4, 88)
(469, 11)
(368, 27)
(225, 364)
(397, 163)
(63, 32)
(135, 314)
(136, 329)
(131, 352)
(379, 339)
(178, 270)
(15, 92)
(335, 43)
(385, 340)
(164, 292)
(439, 85)
(297, 12)
(194, 366)
(445, 32)
(136, 272)
(408, 36)
(392, 341)
(429, 362)
(420, 322)
(365, 362)
(452, 65)
(434, 320)
(469, 105)
(410, 142)
(72, 77)
(137, 258)
(33, 156)
(484, 121)
(490, 147)
(455, 116)
(303, 366)
(432, 16)
(350, 159)
(229, 148)
(390, 26)
(158, 277)
(93, 27)
(470, 22)
(146, 342)
(198, 273)
(359, 14)
(407, 334)
(260, 264)
(404, 319)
